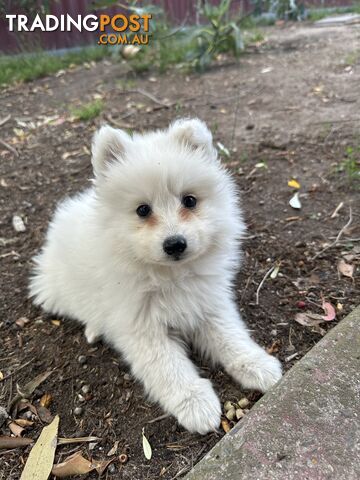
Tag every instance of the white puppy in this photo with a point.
(146, 258)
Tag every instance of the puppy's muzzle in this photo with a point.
(174, 246)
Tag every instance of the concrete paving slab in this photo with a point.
(307, 427)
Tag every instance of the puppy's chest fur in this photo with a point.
(181, 303)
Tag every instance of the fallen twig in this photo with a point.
(17, 370)
(118, 123)
(14, 442)
(149, 95)
(335, 212)
(262, 283)
(339, 235)
(66, 441)
(5, 119)
(9, 147)
(157, 419)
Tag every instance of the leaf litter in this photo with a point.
(41, 457)
(310, 319)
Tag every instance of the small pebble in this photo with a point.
(82, 359)
(243, 402)
(85, 389)
(111, 468)
(81, 398)
(127, 377)
(78, 411)
(28, 415)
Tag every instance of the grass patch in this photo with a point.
(175, 50)
(27, 67)
(88, 111)
(315, 14)
(352, 58)
(350, 165)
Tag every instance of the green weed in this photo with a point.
(88, 111)
(27, 67)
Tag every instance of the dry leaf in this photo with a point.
(146, 446)
(309, 319)
(24, 423)
(1, 376)
(29, 388)
(14, 442)
(22, 321)
(274, 348)
(346, 269)
(56, 323)
(306, 320)
(76, 464)
(330, 312)
(45, 400)
(113, 450)
(294, 201)
(44, 414)
(16, 429)
(294, 184)
(41, 457)
(225, 425)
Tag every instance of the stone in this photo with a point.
(306, 427)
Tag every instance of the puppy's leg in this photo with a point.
(171, 379)
(225, 339)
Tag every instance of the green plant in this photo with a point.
(220, 35)
(351, 163)
(89, 110)
(353, 58)
(27, 67)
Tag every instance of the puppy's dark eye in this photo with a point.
(143, 210)
(189, 201)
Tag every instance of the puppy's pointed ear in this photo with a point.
(194, 133)
(108, 145)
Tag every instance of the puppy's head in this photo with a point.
(163, 196)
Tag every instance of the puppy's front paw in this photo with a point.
(259, 373)
(200, 410)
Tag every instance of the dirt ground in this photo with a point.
(288, 109)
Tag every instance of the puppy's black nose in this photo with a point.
(174, 245)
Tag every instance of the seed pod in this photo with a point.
(243, 402)
(230, 414)
(239, 413)
(228, 405)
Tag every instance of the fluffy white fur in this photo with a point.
(105, 266)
